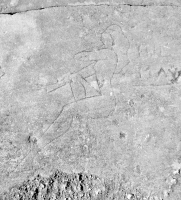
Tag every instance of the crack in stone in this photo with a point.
(87, 5)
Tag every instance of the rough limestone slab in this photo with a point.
(93, 89)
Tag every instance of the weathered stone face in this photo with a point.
(13, 6)
(92, 87)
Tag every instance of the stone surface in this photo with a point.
(68, 186)
(93, 90)
(13, 6)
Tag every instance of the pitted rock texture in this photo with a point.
(92, 89)
(80, 186)
(74, 187)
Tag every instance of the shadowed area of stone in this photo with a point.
(61, 185)
(74, 186)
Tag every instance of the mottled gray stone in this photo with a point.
(73, 79)
(13, 6)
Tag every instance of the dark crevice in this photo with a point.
(88, 5)
(150, 5)
(24, 11)
(134, 5)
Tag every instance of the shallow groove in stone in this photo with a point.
(88, 5)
